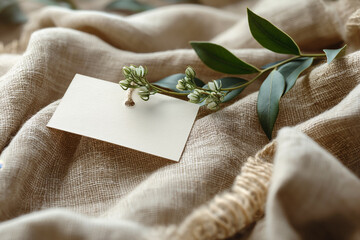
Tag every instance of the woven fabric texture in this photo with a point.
(230, 179)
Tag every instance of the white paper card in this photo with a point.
(95, 108)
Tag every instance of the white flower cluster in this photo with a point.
(212, 97)
(135, 77)
(187, 83)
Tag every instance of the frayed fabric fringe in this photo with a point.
(230, 212)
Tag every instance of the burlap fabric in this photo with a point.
(57, 185)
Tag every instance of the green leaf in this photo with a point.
(221, 60)
(271, 37)
(128, 5)
(293, 69)
(268, 101)
(171, 81)
(230, 82)
(61, 3)
(10, 12)
(331, 54)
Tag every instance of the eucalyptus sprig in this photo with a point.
(281, 75)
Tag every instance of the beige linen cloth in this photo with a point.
(230, 181)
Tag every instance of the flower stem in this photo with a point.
(161, 90)
(273, 67)
(313, 55)
(248, 83)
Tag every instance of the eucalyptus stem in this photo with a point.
(274, 67)
(161, 90)
(213, 95)
(166, 91)
(248, 83)
(313, 55)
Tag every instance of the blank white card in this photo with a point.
(95, 108)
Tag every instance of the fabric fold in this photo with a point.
(312, 194)
(61, 185)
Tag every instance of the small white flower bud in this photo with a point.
(218, 84)
(214, 85)
(126, 71)
(144, 93)
(209, 100)
(181, 85)
(190, 72)
(125, 84)
(213, 105)
(140, 71)
(187, 79)
(189, 86)
(194, 97)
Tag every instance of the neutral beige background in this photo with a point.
(60, 185)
